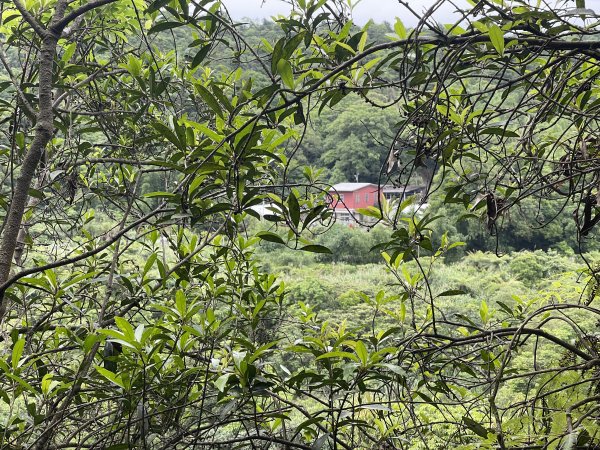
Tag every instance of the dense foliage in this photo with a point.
(139, 304)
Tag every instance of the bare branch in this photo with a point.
(82, 256)
(59, 26)
(25, 103)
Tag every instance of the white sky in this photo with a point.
(378, 10)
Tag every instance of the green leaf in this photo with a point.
(312, 215)
(116, 379)
(210, 100)
(570, 441)
(139, 332)
(35, 193)
(315, 248)
(134, 66)
(160, 194)
(400, 29)
(180, 302)
(309, 422)
(156, 5)
(294, 208)
(291, 45)
(223, 99)
(499, 131)
(261, 351)
(320, 442)
(167, 133)
(370, 211)
(68, 52)
(277, 54)
(271, 237)
(162, 26)
(480, 26)
(207, 131)
(497, 37)
(284, 68)
(125, 327)
(149, 264)
(21, 381)
(348, 355)
(48, 384)
(17, 352)
(221, 382)
(475, 427)
(362, 353)
(451, 292)
(484, 311)
(202, 53)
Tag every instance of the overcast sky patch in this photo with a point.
(378, 10)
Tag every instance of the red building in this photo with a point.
(354, 195)
(348, 197)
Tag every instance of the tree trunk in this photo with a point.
(44, 129)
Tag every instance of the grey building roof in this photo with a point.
(351, 187)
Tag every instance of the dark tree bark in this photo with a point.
(44, 129)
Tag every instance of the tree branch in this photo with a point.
(25, 103)
(63, 262)
(59, 26)
(482, 337)
(44, 130)
(40, 31)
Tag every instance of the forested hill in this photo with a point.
(349, 140)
